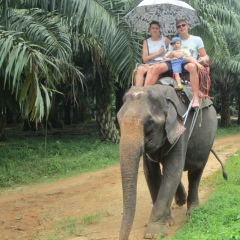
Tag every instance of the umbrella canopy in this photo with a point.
(166, 12)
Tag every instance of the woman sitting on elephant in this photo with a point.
(154, 48)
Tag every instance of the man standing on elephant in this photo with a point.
(195, 45)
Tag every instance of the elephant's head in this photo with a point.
(148, 117)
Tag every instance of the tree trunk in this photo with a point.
(9, 115)
(120, 91)
(2, 128)
(238, 120)
(67, 113)
(106, 125)
(78, 111)
(53, 117)
(105, 121)
(225, 109)
(225, 85)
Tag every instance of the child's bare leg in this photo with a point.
(179, 86)
(177, 78)
(192, 60)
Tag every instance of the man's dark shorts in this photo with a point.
(169, 65)
(169, 72)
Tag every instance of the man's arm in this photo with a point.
(203, 59)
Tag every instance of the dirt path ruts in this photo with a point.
(28, 213)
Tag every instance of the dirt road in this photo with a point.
(29, 213)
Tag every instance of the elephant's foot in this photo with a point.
(170, 221)
(181, 195)
(154, 230)
(180, 200)
(191, 207)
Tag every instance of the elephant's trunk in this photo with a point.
(131, 146)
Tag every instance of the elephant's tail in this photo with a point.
(223, 170)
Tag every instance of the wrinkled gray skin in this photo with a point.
(150, 121)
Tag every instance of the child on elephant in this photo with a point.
(178, 62)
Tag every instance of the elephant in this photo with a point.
(152, 127)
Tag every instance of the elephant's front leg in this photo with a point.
(161, 213)
(153, 177)
(152, 174)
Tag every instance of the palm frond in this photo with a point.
(43, 29)
(101, 20)
(25, 61)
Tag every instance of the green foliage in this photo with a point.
(224, 131)
(219, 21)
(36, 56)
(47, 36)
(101, 23)
(26, 160)
(219, 217)
(31, 160)
(219, 31)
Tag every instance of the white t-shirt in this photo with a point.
(154, 46)
(192, 44)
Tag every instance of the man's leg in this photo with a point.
(139, 75)
(193, 60)
(192, 69)
(153, 73)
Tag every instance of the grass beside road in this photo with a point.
(226, 131)
(219, 217)
(28, 160)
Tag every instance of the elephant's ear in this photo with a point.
(174, 124)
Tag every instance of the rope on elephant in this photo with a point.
(195, 116)
(194, 119)
(187, 112)
(204, 83)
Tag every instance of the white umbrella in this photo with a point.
(166, 12)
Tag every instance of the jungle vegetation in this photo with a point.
(69, 61)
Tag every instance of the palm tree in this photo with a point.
(36, 56)
(41, 53)
(98, 23)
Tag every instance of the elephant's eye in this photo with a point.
(150, 123)
(150, 120)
